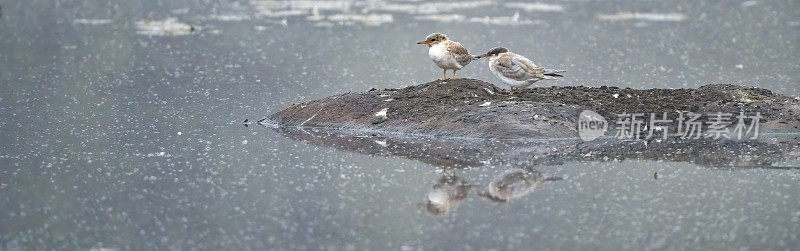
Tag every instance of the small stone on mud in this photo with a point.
(382, 112)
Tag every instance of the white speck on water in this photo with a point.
(616, 95)
(749, 3)
(159, 154)
(244, 142)
(180, 11)
(180, 133)
(382, 143)
(739, 66)
(487, 103)
(88, 21)
(323, 24)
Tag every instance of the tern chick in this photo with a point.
(446, 53)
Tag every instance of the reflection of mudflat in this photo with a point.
(764, 153)
(670, 17)
(520, 158)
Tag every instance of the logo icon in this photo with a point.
(591, 125)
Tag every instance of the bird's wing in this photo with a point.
(518, 68)
(459, 52)
(531, 70)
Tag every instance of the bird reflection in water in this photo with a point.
(515, 183)
(451, 190)
(448, 193)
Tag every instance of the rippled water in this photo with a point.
(121, 127)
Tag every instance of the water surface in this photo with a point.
(121, 126)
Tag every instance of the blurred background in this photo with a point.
(121, 123)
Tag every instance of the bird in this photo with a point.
(446, 53)
(516, 70)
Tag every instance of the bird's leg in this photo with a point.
(511, 92)
(454, 74)
(445, 74)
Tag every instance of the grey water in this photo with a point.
(121, 127)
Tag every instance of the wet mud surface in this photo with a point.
(476, 109)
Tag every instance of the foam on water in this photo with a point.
(229, 17)
(531, 7)
(304, 5)
(167, 27)
(283, 13)
(368, 19)
(373, 13)
(428, 7)
(503, 20)
(664, 17)
(489, 20)
(447, 18)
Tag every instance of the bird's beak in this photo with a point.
(481, 56)
(423, 42)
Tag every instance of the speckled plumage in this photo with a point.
(447, 54)
(516, 70)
